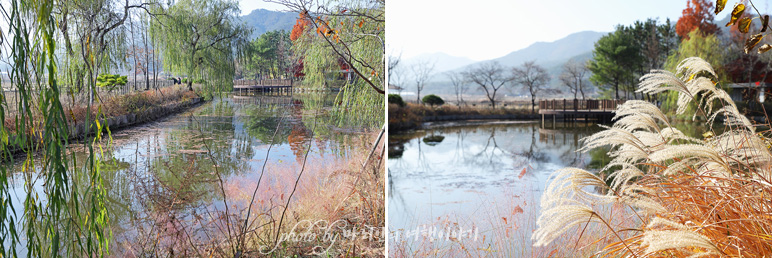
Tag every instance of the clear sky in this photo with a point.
(485, 29)
(247, 6)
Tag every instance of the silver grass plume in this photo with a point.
(662, 234)
(643, 142)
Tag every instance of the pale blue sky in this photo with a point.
(485, 29)
(247, 6)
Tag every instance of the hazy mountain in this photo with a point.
(550, 55)
(545, 53)
(442, 62)
(262, 20)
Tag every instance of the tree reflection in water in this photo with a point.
(473, 173)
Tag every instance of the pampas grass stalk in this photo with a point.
(689, 197)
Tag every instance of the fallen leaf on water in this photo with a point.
(521, 174)
(517, 210)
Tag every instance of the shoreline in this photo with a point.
(471, 122)
(435, 122)
(78, 132)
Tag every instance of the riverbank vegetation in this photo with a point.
(411, 116)
(114, 105)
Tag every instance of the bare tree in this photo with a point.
(460, 86)
(422, 73)
(533, 78)
(397, 78)
(491, 77)
(392, 77)
(394, 62)
(573, 77)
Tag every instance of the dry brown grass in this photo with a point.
(111, 105)
(687, 197)
(342, 193)
(335, 196)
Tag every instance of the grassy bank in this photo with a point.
(411, 115)
(77, 113)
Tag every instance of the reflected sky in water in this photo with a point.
(474, 175)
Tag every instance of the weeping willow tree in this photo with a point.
(94, 40)
(63, 213)
(344, 36)
(56, 48)
(196, 39)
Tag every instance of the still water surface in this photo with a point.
(461, 189)
(482, 178)
(162, 178)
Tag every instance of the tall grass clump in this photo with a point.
(688, 197)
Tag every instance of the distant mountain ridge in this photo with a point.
(557, 51)
(262, 21)
(550, 55)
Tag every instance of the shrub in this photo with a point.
(396, 99)
(432, 100)
(433, 140)
(198, 81)
(111, 80)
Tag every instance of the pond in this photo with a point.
(474, 190)
(165, 180)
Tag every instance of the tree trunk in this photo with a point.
(493, 99)
(155, 69)
(147, 66)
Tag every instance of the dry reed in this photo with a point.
(687, 197)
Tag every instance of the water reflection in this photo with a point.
(488, 177)
(483, 176)
(163, 179)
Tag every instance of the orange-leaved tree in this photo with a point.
(300, 26)
(698, 14)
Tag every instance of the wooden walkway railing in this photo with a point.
(576, 105)
(574, 109)
(265, 82)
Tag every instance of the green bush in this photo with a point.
(433, 100)
(396, 99)
(111, 80)
(199, 81)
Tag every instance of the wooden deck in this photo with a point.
(270, 85)
(574, 109)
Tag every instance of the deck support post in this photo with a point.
(554, 117)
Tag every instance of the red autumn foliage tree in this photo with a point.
(698, 14)
(300, 26)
